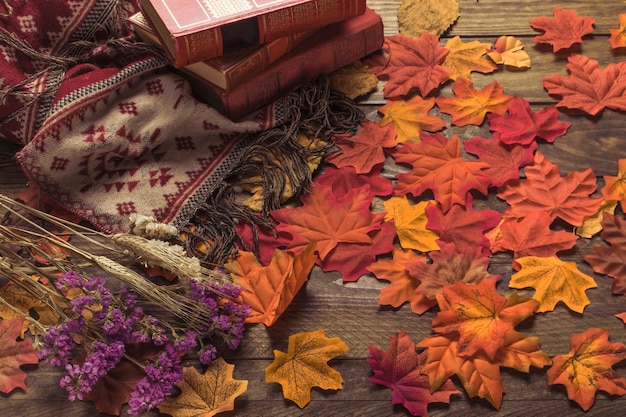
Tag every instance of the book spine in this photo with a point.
(206, 44)
(347, 44)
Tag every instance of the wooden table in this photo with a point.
(349, 311)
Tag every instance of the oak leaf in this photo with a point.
(414, 64)
(437, 165)
(562, 31)
(363, 150)
(553, 280)
(410, 118)
(13, 354)
(610, 260)
(410, 222)
(469, 106)
(304, 366)
(354, 80)
(521, 125)
(544, 190)
(205, 395)
(587, 368)
(398, 368)
(269, 290)
(467, 57)
(509, 51)
(433, 16)
(618, 36)
(615, 186)
(504, 160)
(588, 87)
(402, 284)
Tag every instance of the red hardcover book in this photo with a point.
(197, 30)
(329, 49)
(230, 70)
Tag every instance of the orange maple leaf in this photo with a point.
(469, 106)
(304, 366)
(564, 30)
(437, 165)
(402, 284)
(587, 367)
(544, 190)
(207, 394)
(509, 51)
(618, 36)
(410, 222)
(14, 354)
(269, 290)
(553, 281)
(363, 150)
(467, 57)
(615, 187)
(410, 118)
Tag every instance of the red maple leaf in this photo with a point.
(364, 150)
(437, 165)
(261, 240)
(14, 354)
(564, 30)
(414, 63)
(399, 367)
(521, 125)
(342, 181)
(504, 160)
(463, 226)
(588, 87)
(610, 260)
(544, 190)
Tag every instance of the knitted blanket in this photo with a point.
(108, 129)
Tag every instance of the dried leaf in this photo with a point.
(304, 366)
(205, 395)
(564, 30)
(410, 222)
(14, 354)
(410, 118)
(354, 80)
(508, 51)
(433, 16)
(467, 57)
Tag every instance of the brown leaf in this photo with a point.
(354, 80)
(434, 16)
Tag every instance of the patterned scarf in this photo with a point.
(107, 129)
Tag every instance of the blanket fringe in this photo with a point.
(277, 156)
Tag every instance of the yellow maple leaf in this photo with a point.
(410, 117)
(467, 57)
(304, 366)
(553, 280)
(593, 224)
(410, 221)
(205, 395)
(509, 51)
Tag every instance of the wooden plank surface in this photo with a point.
(349, 311)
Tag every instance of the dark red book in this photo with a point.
(331, 48)
(192, 31)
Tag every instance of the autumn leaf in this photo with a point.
(437, 165)
(544, 190)
(553, 280)
(402, 284)
(564, 30)
(261, 239)
(398, 368)
(615, 186)
(205, 395)
(410, 118)
(414, 64)
(509, 51)
(463, 226)
(354, 80)
(269, 290)
(521, 351)
(14, 354)
(610, 260)
(480, 315)
(587, 368)
(469, 106)
(588, 87)
(448, 266)
(434, 16)
(593, 224)
(304, 366)
(363, 150)
(467, 57)
(346, 179)
(504, 160)
(521, 125)
(410, 222)
(618, 36)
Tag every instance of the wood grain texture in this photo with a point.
(350, 311)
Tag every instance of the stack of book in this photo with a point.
(240, 55)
